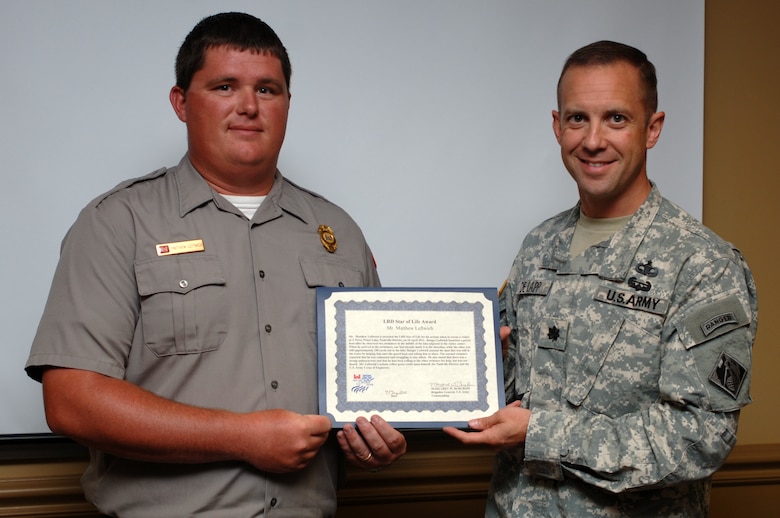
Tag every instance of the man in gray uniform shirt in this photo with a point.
(631, 325)
(178, 341)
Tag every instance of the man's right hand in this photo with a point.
(286, 441)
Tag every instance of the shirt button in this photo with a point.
(268, 328)
(183, 283)
(274, 384)
(273, 502)
(261, 273)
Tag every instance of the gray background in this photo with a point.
(427, 120)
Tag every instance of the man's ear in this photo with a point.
(654, 127)
(178, 101)
(556, 125)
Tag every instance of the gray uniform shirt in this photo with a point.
(231, 326)
(634, 358)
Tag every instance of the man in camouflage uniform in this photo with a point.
(631, 325)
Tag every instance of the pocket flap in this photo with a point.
(329, 273)
(582, 370)
(179, 274)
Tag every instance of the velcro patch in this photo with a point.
(631, 300)
(728, 374)
(715, 319)
(710, 326)
(533, 287)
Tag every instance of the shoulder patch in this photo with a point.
(715, 319)
(728, 374)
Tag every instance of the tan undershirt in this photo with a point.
(590, 231)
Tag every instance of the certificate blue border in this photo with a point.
(359, 303)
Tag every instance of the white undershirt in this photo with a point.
(248, 205)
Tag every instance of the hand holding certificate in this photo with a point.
(420, 359)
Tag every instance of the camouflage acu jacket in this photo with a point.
(634, 358)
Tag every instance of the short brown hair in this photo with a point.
(236, 30)
(608, 52)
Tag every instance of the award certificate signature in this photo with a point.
(418, 358)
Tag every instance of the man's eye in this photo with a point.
(618, 119)
(577, 118)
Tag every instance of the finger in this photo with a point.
(455, 432)
(319, 425)
(389, 436)
(353, 445)
(504, 333)
(464, 436)
(481, 423)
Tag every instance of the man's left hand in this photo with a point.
(373, 444)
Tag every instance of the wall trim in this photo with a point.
(750, 464)
(435, 468)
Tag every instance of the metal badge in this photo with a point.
(327, 238)
(647, 269)
(638, 285)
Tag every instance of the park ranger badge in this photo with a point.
(327, 238)
(728, 374)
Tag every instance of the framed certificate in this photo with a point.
(418, 358)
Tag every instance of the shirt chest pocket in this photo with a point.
(183, 303)
(330, 273)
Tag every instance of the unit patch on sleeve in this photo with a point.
(728, 374)
(714, 319)
(711, 325)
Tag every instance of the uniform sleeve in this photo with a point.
(704, 380)
(90, 315)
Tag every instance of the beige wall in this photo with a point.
(742, 174)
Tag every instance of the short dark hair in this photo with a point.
(608, 52)
(236, 30)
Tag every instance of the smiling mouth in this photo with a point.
(595, 165)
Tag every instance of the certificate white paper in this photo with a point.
(418, 358)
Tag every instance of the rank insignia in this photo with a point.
(327, 238)
(728, 374)
(553, 333)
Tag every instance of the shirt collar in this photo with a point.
(616, 259)
(194, 192)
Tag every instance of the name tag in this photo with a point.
(533, 287)
(180, 247)
(630, 300)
